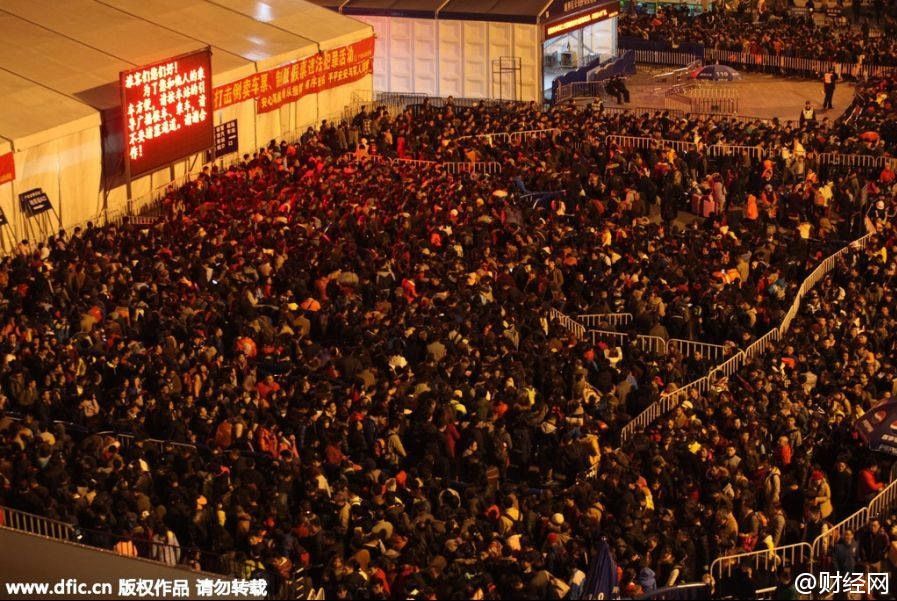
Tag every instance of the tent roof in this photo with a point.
(62, 59)
(33, 114)
(303, 18)
(515, 11)
(224, 29)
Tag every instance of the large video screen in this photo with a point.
(167, 111)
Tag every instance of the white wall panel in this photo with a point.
(425, 56)
(401, 55)
(501, 44)
(476, 59)
(451, 58)
(528, 49)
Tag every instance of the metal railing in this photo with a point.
(610, 320)
(136, 547)
(514, 136)
(679, 73)
(36, 524)
(800, 554)
(824, 543)
(772, 62)
(714, 352)
(861, 161)
(484, 167)
(643, 142)
(614, 338)
(581, 89)
(884, 502)
(761, 345)
(719, 150)
(568, 323)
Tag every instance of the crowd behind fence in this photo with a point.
(827, 159)
(805, 555)
(660, 53)
(611, 320)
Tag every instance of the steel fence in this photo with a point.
(615, 338)
(761, 345)
(514, 136)
(610, 320)
(800, 554)
(714, 352)
(652, 344)
(36, 524)
(644, 142)
(720, 150)
(884, 502)
(823, 543)
(484, 167)
(771, 62)
(664, 57)
(861, 161)
(568, 323)
(581, 89)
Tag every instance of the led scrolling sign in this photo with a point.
(167, 111)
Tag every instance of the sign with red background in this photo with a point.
(7, 168)
(288, 83)
(166, 108)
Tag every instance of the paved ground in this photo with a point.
(760, 95)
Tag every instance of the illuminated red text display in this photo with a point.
(167, 111)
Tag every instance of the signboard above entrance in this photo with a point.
(564, 16)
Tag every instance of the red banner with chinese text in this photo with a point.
(7, 168)
(273, 88)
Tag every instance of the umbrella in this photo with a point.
(878, 427)
(715, 72)
(601, 581)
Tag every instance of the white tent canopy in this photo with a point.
(59, 71)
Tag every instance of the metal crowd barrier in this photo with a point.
(615, 338)
(611, 320)
(714, 352)
(414, 163)
(824, 543)
(747, 59)
(568, 323)
(766, 559)
(717, 150)
(581, 89)
(514, 136)
(664, 57)
(761, 345)
(36, 524)
(487, 167)
(862, 161)
(679, 73)
(646, 142)
(884, 502)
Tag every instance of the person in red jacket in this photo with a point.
(869, 485)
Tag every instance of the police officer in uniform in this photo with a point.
(808, 115)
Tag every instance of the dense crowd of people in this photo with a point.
(871, 113)
(782, 34)
(351, 367)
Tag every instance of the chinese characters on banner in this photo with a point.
(167, 110)
(273, 88)
(7, 168)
